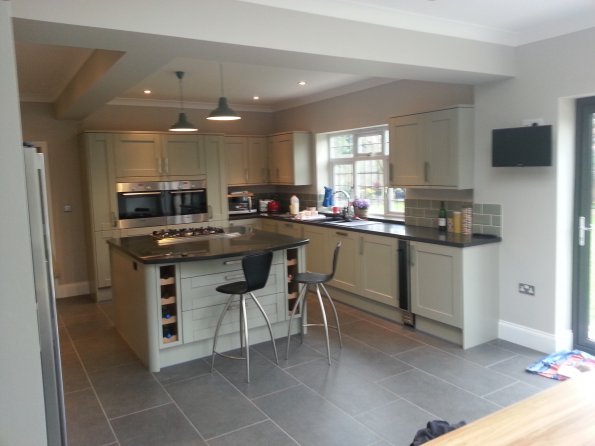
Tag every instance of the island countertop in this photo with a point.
(146, 249)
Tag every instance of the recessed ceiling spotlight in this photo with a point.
(147, 91)
(301, 83)
(256, 98)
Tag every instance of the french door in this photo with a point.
(584, 243)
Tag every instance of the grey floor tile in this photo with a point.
(160, 426)
(298, 353)
(397, 422)
(213, 405)
(360, 358)
(515, 367)
(447, 401)
(512, 394)
(460, 372)
(380, 338)
(311, 420)
(519, 349)
(87, 325)
(85, 422)
(127, 389)
(109, 309)
(352, 393)
(183, 371)
(265, 376)
(66, 346)
(105, 351)
(73, 375)
(261, 434)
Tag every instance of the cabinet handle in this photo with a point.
(277, 174)
(342, 234)
(166, 162)
(246, 174)
(426, 171)
(159, 167)
(232, 262)
(412, 255)
(210, 210)
(234, 277)
(263, 174)
(390, 172)
(114, 220)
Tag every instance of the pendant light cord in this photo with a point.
(180, 75)
(221, 78)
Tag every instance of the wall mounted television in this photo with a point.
(522, 146)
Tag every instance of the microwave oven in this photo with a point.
(241, 203)
(160, 203)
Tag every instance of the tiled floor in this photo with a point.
(384, 384)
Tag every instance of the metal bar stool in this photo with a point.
(256, 273)
(317, 279)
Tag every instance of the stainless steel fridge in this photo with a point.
(45, 296)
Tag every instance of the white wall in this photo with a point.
(22, 413)
(537, 201)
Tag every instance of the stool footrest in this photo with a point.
(319, 325)
(230, 356)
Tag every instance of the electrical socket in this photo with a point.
(525, 288)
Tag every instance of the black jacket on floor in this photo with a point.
(434, 429)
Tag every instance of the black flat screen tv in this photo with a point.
(522, 146)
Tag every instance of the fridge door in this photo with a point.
(45, 295)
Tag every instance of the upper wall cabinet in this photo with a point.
(289, 158)
(246, 160)
(433, 149)
(151, 155)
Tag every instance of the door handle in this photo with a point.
(390, 172)
(581, 230)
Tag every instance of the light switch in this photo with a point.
(67, 208)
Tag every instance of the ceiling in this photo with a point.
(507, 23)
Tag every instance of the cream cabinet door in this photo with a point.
(137, 155)
(347, 274)
(235, 160)
(216, 179)
(379, 276)
(269, 225)
(281, 159)
(436, 282)
(289, 228)
(318, 251)
(103, 274)
(183, 155)
(441, 147)
(257, 160)
(407, 151)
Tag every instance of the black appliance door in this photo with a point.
(140, 209)
(186, 206)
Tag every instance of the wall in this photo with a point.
(537, 201)
(22, 413)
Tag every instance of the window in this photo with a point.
(358, 163)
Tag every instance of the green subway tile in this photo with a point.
(411, 203)
(418, 212)
(477, 208)
(493, 209)
(496, 220)
(477, 229)
(482, 219)
(492, 230)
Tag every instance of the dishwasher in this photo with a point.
(407, 317)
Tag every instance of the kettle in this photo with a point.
(273, 206)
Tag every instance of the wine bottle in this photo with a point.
(442, 218)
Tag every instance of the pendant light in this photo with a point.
(223, 112)
(182, 125)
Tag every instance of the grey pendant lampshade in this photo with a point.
(182, 124)
(223, 112)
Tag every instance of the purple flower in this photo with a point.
(361, 203)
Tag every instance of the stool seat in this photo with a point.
(256, 268)
(317, 280)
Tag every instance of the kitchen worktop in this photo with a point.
(395, 229)
(146, 249)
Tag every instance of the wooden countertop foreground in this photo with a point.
(561, 415)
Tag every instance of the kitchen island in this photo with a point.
(166, 305)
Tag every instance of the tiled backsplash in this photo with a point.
(487, 218)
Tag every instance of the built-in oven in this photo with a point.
(161, 203)
(241, 203)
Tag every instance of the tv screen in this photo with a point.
(522, 146)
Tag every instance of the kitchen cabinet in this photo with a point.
(246, 160)
(347, 274)
(100, 210)
(457, 289)
(269, 225)
(289, 228)
(433, 149)
(156, 156)
(289, 158)
(379, 272)
(216, 179)
(318, 253)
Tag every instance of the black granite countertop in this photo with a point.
(398, 230)
(146, 249)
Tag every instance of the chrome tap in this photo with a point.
(347, 211)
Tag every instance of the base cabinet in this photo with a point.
(455, 291)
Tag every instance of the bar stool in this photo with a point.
(317, 279)
(256, 269)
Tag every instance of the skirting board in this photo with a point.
(535, 339)
(71, 289)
